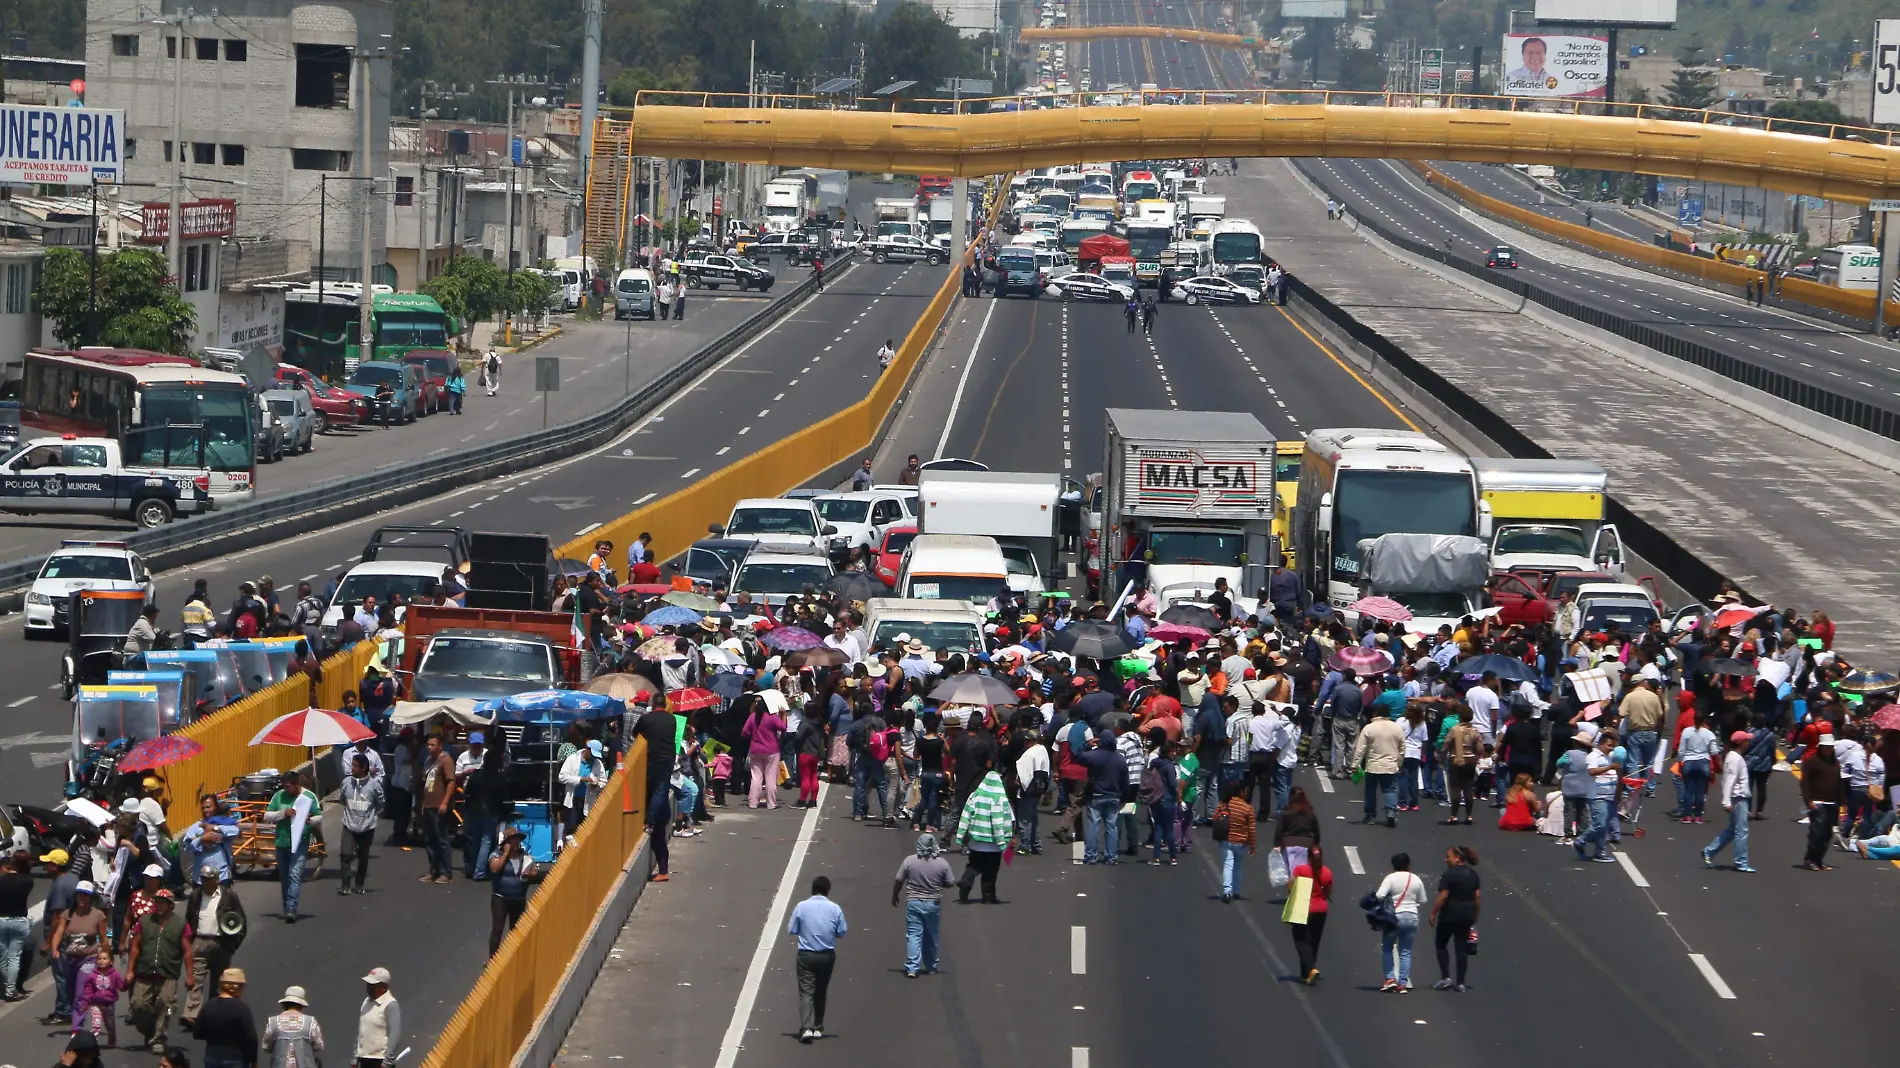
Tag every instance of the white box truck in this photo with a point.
(785, 205)
(1187, 498)
(896, 216)
(942, 216)
(1019, 509)
(1203, 208)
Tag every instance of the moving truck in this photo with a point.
(786, 205)
(1440, 577)
(942, 216)
(896, 216)
(1018, 509)
(1187, 499)
(1547, 515)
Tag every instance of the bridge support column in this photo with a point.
(959, 219)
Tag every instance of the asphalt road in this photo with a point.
(814, 362)
(1506, 183)
(600, 362)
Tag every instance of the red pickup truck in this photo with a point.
(1531, 597)
(334, 407)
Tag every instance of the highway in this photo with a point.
(600, 361)
(1506, 183)
(813, 363)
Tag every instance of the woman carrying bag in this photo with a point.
(1307, 903)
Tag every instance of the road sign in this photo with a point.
(1431, 70)
(1883, 205)
(1688, 212)
(547, 374)
(1886, 71)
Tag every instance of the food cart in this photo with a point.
(534, 725)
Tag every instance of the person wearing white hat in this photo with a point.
(293, 1037)
(378, 1022)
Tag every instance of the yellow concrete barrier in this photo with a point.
(1857, 303)
(226, 734)
(523, 975)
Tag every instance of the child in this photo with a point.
(1487, 773)
(722, 774)
(1189, 765)
(96, 996)
(686, 786)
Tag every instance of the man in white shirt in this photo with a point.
(1603, 775)
(1035, 758)
(378, 1023)
(1483, 700)
(842, 640)
(1734, 789)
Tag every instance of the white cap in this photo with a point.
(155, 871)
(1651, 673)
(129, 806)
(377, 975)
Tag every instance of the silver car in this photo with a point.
(292, 409)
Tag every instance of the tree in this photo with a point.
(471, 289)
(529, 293)
(1817, 111)
(1692, 85)
(134, 303)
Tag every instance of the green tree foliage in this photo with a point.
(1692, 85)
(1826, 111)
(471, 289)
(134, 305)
(529, 294)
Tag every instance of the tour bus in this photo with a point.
(1236, 241)
(114, 393)
(324, 340)
(1357, 484)
(1849, 267)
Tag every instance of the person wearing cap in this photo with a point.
(479, 820)
(218, 924)
(293, 1037)
(362, 796)
(245, 605)
(509, 867)
(156, 956)
(1642, 712)
(1733, 789)
(226, 1027)
(76, 936)
(144, 897)
(378, 1022)
(152, 806)
(59, 901)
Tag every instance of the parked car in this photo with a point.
(334, 406)
(902, 248)
(1081, 285)
(292, 408)
(268, 440)
(434, 365)
(403, 380)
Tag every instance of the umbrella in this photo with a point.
(1728, 665)
(854, 586)
(1360, 659)
(719, 657)
(1191, 615)
(730, 686)
(1093, 638)
(571, 567)
(1177, 632)
(973, 690)
(656, 648)
(1888, 718)
(1504, 667)
(1384, 608)
(698, 602)
(672, 615)
(159, 752)
(786, 639)
(1867, 682)
(814, 656)
(622, 686)
(311, 728)
(690, 698)
(1738, 613)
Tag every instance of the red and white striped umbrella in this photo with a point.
(311, 728)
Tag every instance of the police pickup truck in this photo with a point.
(87, 476)
(712, 270)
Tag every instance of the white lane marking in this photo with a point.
(690, 473)
(1715, 980)
(21, 701)
(1078, 1057)
(762, 414)
(723, 451)
(1352, 860)
(306, 578)
(1078, 951)
(1076, 845)
(646, 498)
(1629, 868)
(963, 380)
(1325, 782)
(769, 936)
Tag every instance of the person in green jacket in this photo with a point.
(295, 810)
(988, 825)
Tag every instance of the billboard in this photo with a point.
(60, 146)
(1608, 12)
(1312, 9)
(1554, 66)
(1886, 71)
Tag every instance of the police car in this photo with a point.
(1081, 285)
(87, 476)
(903, 248)
(76, 566)
(714, 270)
(1211, 289)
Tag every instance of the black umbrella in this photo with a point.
(1191, 615)
(1093, 638)
(853, 585)
(727, 684)
(1729, 666)
(973, 690)
(1504, 667)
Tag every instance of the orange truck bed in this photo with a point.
(421, 622)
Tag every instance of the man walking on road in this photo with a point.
(1734, 791)
(378, 1022)
(817, 924)
(918, 889)
(156, 957)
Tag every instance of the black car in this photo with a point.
(712, 560)
(1501, 256)
(713, 271)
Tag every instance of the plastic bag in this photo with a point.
(1299, 902)
(1276, 868)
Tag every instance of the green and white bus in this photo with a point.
(323, 338)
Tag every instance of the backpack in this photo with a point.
(879, 744)
(1038, 784)
(1462, 745)
(1222, 823)
(1154, 786)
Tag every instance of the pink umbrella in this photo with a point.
(1383, 608)
(1736, 613)
(1176, 632)
(786, 639)
(1361, 660)
(312, 728)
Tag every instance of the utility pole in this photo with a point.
(512, 164)
(174, 253)
(365, 100)
(590, 80)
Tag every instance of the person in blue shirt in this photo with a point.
(817, 924)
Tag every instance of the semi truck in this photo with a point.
(786, 205)
(1019, 509)
(896, 216)
(1439, 577)
(1547, 516)
(1187, 499)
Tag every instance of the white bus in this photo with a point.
(1849, 267)
(1358, 483)
(1236, 241)
(1075, 231)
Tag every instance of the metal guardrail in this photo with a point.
(1873, 418)
(339, 500)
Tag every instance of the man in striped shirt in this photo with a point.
(988, 825)
(1128, 744)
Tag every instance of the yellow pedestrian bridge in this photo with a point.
(1104, 33)
(975, 137)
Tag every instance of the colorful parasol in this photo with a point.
(154, 753)
(311, 728)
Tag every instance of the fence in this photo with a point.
(226, 734)
(518, 981)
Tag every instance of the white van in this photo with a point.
(952, 567)
(1849, 267)
(633, 294)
